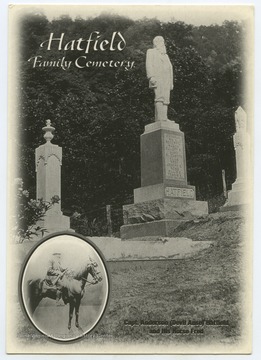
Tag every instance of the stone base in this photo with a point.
(242, 208)
(159, 217)
(159, 191)
(155, 228)
(238, 197)
(165, 125)
(55, 223)
(172, 209)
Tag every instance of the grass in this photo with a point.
(207, 286)
(204, 287)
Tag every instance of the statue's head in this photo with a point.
(159, 43)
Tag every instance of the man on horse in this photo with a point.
(55, 274)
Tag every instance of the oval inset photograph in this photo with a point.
(65, 287)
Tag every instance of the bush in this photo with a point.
(28, 212)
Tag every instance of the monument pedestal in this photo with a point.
(54, 221)
(237, 197)
(164, 199)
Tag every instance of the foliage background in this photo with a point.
(99, 114)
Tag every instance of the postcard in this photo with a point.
(130, 179)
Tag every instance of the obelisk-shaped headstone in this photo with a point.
(238, 196)
(48, 162)
(242, 146)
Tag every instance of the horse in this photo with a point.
(73, 285)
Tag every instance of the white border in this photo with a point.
(257, 192)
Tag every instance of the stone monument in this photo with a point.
(238, 196)
(160, 74)
(48, 162)
(164, 199)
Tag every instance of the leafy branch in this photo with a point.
(28, 212)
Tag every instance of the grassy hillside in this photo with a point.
(205, 287)
(193, 292)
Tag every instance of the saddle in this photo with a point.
(48, 285)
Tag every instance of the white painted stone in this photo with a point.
(241, 145)
(48, 172)
(160, 74)
(166, 125)
(239, 194)
(48, 162)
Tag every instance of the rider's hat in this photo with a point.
(56, 253)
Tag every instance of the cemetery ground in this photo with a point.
(206, 286)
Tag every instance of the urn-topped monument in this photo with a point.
(164, 199)
(48, 162)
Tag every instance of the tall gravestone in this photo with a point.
(164, 199)
(48, 162)
(239, 196)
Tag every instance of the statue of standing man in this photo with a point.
(160, 74)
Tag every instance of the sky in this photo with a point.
(196, 15)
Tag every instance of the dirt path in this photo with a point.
(53, 320)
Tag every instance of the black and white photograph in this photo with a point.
(130, 179)
(62, 271)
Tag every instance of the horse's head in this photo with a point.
(90, 268)
(94, 271)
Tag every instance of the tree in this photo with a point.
(99, 114)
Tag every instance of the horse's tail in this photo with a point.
(34, 290)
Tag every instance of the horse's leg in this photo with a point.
(77, 306)
(71, 308)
